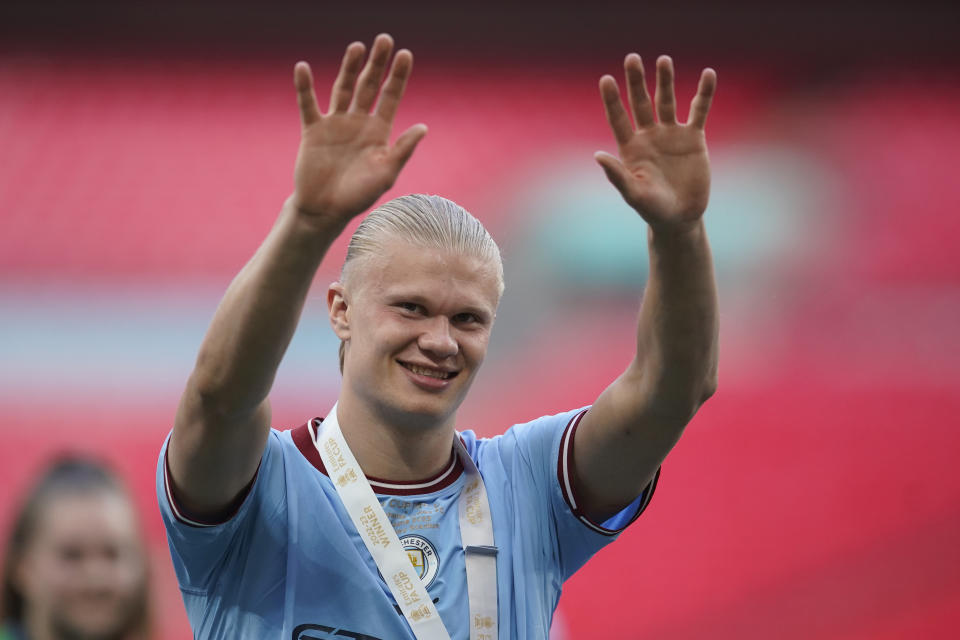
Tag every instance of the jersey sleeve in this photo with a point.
(547, 444)
(203, 553)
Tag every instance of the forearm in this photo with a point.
(663, 173)
(257, 317)
(677, 333)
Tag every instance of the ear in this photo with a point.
(338, 310)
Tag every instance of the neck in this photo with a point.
(390, 451)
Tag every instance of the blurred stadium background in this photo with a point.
(145, 148)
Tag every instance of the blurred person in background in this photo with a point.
(75, 566)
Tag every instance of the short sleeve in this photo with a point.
(547, 445)
(203, 552)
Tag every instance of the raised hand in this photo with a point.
(663, 171)
(345, 161)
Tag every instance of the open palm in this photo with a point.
(345, 161)
(663, 170)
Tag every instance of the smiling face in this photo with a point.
(416, 322)
(83, 573)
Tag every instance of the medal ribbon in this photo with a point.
(381, 540)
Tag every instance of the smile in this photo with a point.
(429, 372)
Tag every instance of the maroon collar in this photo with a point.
(303, 437)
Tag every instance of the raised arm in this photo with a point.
(664, 174)
(345, 162)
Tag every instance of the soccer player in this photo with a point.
(297, 534)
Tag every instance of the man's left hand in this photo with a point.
(663, 170)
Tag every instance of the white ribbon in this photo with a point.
(381, 540)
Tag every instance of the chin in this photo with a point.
(88, 630)
(113, 624)
(420, 413)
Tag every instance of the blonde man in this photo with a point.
(382, 521)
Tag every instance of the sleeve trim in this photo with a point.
(565, 474)
(180, 514)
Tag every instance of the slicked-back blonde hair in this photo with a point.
(424, 220)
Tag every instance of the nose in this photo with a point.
(437, 338)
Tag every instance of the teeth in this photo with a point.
(432, 373)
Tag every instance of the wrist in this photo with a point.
(313, 222)
(676, 233)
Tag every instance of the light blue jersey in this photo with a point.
(289, 563)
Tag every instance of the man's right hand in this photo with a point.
(345, 160)
(344, 165)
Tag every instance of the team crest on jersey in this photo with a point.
(423, 557)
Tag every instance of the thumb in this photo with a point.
(405, 145)
(617, 174)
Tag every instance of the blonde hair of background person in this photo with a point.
(75, 565)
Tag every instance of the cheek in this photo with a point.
(128, 574)
(474, 346)
(48, 578)
(393, 333)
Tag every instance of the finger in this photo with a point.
(306, 98)
(700, 106)
(637, 91)
(405, 145)
(617, 174)
(616, 114)
(346, 78)
(368, 84)
(666, 102)
(395, 85)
